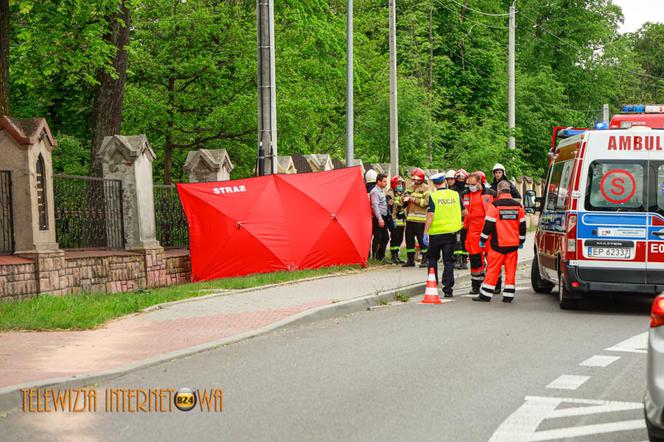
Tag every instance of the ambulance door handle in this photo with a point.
(658, 233)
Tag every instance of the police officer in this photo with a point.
(505, 227)
(398, 225)
(441, 228)
(477, 200)
(417, 202)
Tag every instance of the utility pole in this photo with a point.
(605, 115)
(349, 86)
(267, 102)
(394, 118)
(511, 87)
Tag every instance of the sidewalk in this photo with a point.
(29, 357)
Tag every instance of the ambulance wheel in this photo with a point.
(566, 303)
(539, 285)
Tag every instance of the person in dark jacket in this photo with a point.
(498, 176)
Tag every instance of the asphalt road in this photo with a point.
(462, 371)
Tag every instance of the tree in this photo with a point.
(4, 57)
(193, 77)
(109, 94)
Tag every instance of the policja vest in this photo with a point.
(447, 216)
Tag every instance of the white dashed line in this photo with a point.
(599, 361)
(568, 382)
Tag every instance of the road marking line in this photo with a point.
(587, 430)
(596, 409)
(521, 426)
(635, 344)
(568, 382)
(599, 361)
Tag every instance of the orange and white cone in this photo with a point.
(431, 292)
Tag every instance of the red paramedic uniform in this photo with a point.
(505, 225)
(477, 203)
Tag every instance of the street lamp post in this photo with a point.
(267, 102)
(394, 119)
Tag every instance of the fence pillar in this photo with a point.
(26, 146)
(204, 165)
(129, 159)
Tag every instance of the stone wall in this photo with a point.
(96, 272)
(17, 277)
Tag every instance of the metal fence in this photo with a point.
(6, 220)
(88, 212)
(171, 222)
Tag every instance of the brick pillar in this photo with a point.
(129, 159)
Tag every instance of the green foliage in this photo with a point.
(70, 157)
(192, 75)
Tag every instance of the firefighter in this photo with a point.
(505, 228)
(460, 254)
(398, 225)
(461, 177)
(417, 202)
(498, 176)
(477, 200)
(450, 178)
(444, 220)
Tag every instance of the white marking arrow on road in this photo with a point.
(635, 344)
(522, 425)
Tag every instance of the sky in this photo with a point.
(637, 12)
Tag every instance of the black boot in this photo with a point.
(411, 260)
(475, 289)
(482, 298)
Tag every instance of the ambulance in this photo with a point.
(601, 227)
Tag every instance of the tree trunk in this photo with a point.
(107, 105)
(168, 144)
(4, 57)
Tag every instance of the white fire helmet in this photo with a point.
(370, 176)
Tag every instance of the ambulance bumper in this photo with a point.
(583, 280)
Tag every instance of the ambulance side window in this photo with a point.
(564, 184)
(554, 184)
(615, 186)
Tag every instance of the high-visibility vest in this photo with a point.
(447, 216)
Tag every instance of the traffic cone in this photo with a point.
(431, 292)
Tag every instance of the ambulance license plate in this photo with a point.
(609, 252)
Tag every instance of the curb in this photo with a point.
(10, 397)
(227, 292)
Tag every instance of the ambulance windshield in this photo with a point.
(616, 186)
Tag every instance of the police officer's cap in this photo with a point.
(437, 178)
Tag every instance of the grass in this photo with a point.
(402, 297)
(87, 311)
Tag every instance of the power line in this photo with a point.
(488, 14)
(467, 19)
(575, 46)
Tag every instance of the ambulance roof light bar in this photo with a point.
(643, 109)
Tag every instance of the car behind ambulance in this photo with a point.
(602, 215)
